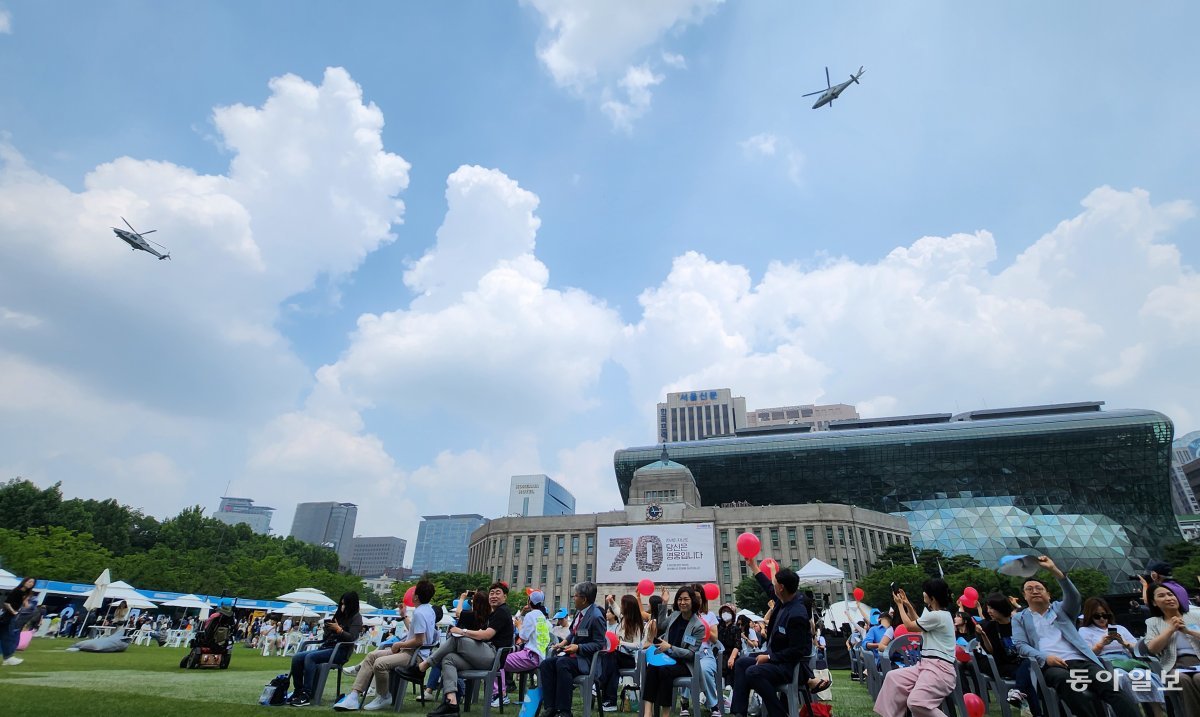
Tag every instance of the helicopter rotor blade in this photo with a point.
(145, 233)
(818, 92)
(828, 84)
(135, 231)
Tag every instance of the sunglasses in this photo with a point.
(1102, 616)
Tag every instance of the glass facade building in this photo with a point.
(1090, 488)
(442, 542)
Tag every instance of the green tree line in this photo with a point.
(74, 540)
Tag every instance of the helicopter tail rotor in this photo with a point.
(165, 256)
(860, 74)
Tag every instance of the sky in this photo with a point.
(418, 248)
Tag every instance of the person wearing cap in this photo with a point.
(1159, 573)
(378, 665)
(585, 638)
(534, 638)
(559, 629)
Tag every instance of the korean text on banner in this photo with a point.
(671, 553)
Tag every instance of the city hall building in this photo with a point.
(667, 534)
(1086, 486)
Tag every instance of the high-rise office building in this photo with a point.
(442, 542)
(1185, 451)
(235, 511)
(329, 524)
(809, 416)
(372, 557)
(539, 495)
(693, 415)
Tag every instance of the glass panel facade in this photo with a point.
(1091, 489)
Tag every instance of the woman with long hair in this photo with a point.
(680, 636)
(10, 631)
(730, 636)
(631, 637)
(1175, 639)
(922, 688)
(344, 626)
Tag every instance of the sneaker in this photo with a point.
(13, 661)
(352, 669)
(1015, 697)
(428, 694)
(379, 703)
(716, 713)
(349, 703)
(300, 700)
(609, 707)
(445, 709)
(497, 701)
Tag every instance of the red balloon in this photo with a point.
(968, 601)
(961, 654)
(858, 594)
(410, 596)
(900, 631)
(748, 545)
(613, 641)
(645, 587)
(769, 566)
(711, 591)
(972, 593)
(973, 703)
(528, 591)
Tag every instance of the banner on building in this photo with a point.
(671, 553)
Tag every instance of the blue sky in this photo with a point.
(613, 200)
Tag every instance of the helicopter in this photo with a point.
(136, 240)
(832, 92)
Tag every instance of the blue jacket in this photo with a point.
(1025, 635)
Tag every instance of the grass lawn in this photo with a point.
(148, 681)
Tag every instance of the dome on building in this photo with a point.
(663, 465)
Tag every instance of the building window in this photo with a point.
(591, 544)
(558, 573)
(545, 545)
(495, 545)
(808, 536)
(742, 568)
(574, 545)
(503, 545)
(774, 537)
(543, 580)
(574, 574)
(829, 535)
(562, 541)
(516, 574)
(791, 537)
(724, 540)
(529, 575)
(516, 547)
(664, 495)
(589, 572)
(531, 545)
(725, 574)
(841, 536)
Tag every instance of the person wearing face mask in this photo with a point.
(1174, 636)
(730, 637)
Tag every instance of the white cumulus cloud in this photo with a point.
(601, 47)
(5, 22)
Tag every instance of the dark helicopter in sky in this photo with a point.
(136, 240)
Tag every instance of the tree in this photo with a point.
(749, 595)
(53, 553)
(983, 580)
(877, 584)
(24, 505)
(1090, 582)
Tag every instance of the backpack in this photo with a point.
(275, 692)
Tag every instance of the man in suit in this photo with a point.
(788, 642)
(1046, 633)
(572, 656)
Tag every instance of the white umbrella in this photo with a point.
(819, 572)
(752, 616)
(447, 619)
(295, 609)
(307, 596)
(119, 591)
(8, 581)
(96, 595)
(187, 601)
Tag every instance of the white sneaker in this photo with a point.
(496, 701)
(379, 703)
(352, 670)
(349, 703)
(13, 661)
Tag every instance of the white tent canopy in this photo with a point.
(845, 611)
(818, 572)
(365, 608)
(295, 609)
(753, 617)
(118, 591)
(8, 581)
(307, 596)
(187, 601)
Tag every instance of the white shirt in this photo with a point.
(937, 634)
(1051, 640)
